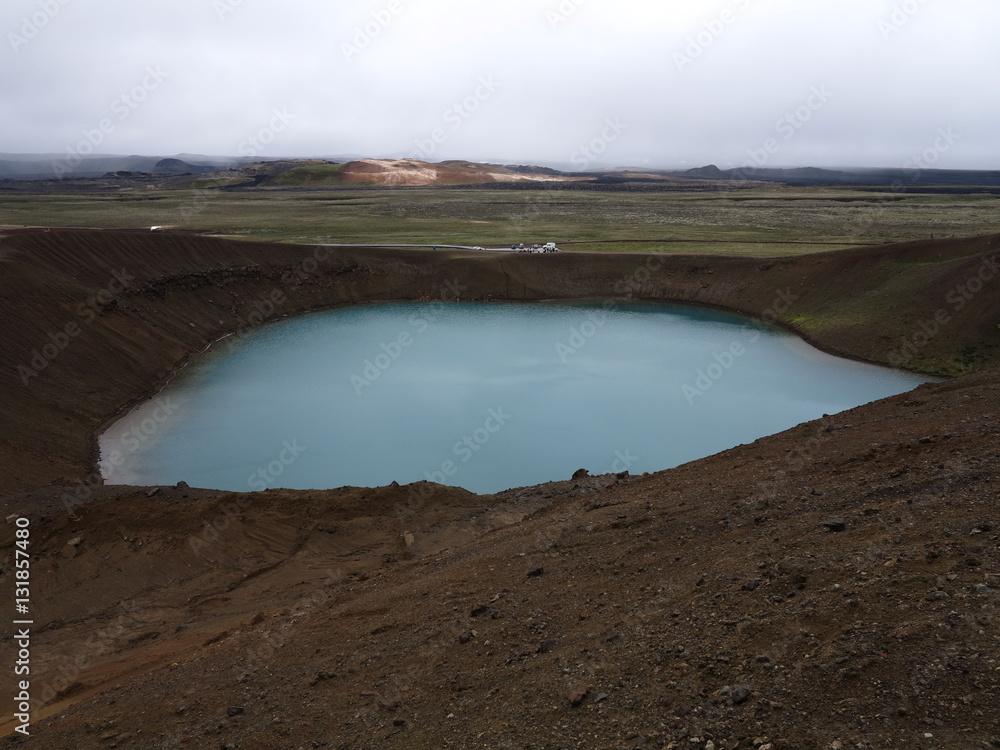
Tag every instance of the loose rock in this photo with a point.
(735, 695)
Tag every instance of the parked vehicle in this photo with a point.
(548, 247)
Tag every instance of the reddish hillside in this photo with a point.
(414, 172)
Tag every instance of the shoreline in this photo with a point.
(190, 359)
(192, 292)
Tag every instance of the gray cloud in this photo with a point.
(690, 82)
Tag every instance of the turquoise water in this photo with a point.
(481, 396)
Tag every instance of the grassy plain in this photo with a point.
(768, 221)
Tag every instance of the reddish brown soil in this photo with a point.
(708, 603)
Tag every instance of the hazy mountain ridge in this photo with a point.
(413, 172)
(864, 177)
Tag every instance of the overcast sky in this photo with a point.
(576, 82)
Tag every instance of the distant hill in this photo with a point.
(813, 176)
(277, 172)
(48, 166)
(58, 165)
(412, 173)
(302, 173)
(711, 172)
(178, 166)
